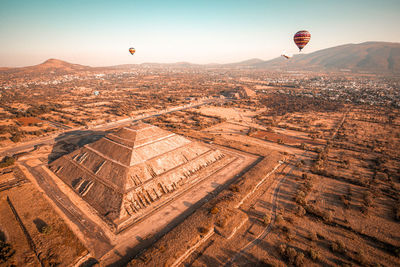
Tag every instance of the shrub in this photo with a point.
(308, 185)
(338, 246)
(291, 254)
(222, 222)
(7, 161)
(345, 201)
(6, 251)
(203, 230)
(300, 211)
(16, 137)
(312, 236)
(266, 219)
(285, 229)
(360, 257)
(279, 219)
(234, 188)
(161, 249)
(289, 219)
(364, 210)
(327, 216)
(214, 210)
(397, 212)
(46, 229)
(313, 254)
(397, 252)
(368, 199)
(299, 261)
(282, 249)
(300, 198)
(299, 164)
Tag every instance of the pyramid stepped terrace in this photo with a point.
(129, 173)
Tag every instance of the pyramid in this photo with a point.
(126, 174)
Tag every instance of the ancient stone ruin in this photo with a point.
(129, 173)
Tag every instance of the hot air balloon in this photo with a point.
(286, 55)
(132, 50)
(301, 39)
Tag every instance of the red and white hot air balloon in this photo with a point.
(301, 39)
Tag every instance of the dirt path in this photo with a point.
(268, 228)
(276, 191)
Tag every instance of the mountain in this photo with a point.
(375, 57)
(249, 62)
(371, 57)
(55, 66)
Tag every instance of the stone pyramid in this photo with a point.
(125, 174)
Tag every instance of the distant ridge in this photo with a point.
(249, 62)
(56, 63)
(373, 57)
(370, 57)
(52, 65)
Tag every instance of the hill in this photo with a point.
(55, 66)
(370, 57)
(375, 57)
(246, 63)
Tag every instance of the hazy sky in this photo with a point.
(99, 33)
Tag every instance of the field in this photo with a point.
(316, 180)
(344, 169)
(47, 238)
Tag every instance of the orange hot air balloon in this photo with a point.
(301, 39)
(132, 50)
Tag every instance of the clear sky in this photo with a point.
(99, 33)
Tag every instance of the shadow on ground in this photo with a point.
(67, 142)
(2, 236)
(40, 225)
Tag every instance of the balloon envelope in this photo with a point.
(286, 55)
(132, 50)
(301, 39)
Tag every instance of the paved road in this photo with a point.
(74, 132)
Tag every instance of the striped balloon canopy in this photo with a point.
(301, 39)
(132, 50)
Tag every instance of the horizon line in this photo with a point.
(191, 63)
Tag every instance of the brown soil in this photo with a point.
(26, 121)
(286, 139)
(55, 242)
